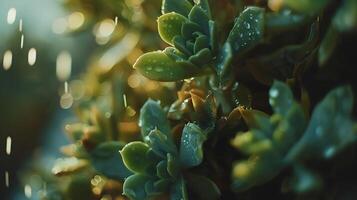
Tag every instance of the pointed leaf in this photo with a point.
(248, 30)
(133, 186)
(160, 67)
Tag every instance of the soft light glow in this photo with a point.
(125, 102)
(11, 16)
(31, 58)
(59, 26)
(28, 191)
(63, 66)
(106, 28)
(7, 60)
(75, 20)
(66, 101)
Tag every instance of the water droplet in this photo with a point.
(11, 16)
(7, 60)
(273, 93)
(66, 101)
(330, 152)
(159, 69)
(31, 58)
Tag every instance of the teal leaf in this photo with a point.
(201, 42)
(161, 170)
(182, 7)
(170, 25)
(191, 153)
(160, 143)
(178, 190)
(201, 58)
(180, 44)
(160, 67)
(188, 30)
(173, 165)
(133, 186)
(224, 60)
(205, 6)
(280, 98)
(248, 30)
(304, 180)
(152, 117)
(106, 159)
(136, 157)
(330, 129)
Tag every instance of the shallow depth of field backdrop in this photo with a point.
(246, 99)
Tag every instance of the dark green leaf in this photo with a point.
(182, 7)
(170, 25)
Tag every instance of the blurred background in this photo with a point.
(45, 48)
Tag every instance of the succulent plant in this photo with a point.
(286, 138)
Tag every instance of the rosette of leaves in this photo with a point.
(159, 166)
(286, 138)
(190, 30)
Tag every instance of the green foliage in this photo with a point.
(157, 162)
(285, 138)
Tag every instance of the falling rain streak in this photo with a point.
(22, 41)
(11, 16)
(125, 102)
(8, 145)
(32, 56)
(7, 60)
(7, 179)
(20, 25)
(66, 100)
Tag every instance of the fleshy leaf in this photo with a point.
(107, 160)
(248, 30)
(198, 16)
(153, 117)
(178, 190)
(203, 187)
(280, 98)
(160, 67)
(133, 186)
(330, 129)
(204, 5)
(191, 153)
(160, 143)
(182, 7)
(224, 59)
(135, 157)
(170, 25)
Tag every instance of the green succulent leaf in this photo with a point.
(203, 187)
(191, 153)
(152, 117)
(134, 185)
(224, 60)
(182, 7)
(136, 157)
(248, 30)
(106, 159)
(170, 25)
(199, 16)
(159, 66)
(205, 6)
